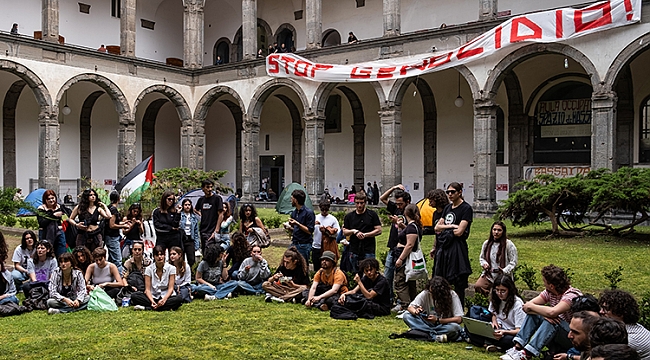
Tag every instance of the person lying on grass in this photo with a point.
(329, 282)
(373, 286)
(159, 279)
(67, 287)
(212, 275)
(103, 274)
(290, 280)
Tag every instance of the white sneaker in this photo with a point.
(396, 309)
(276, 299)
(209, 298)
(268, 297)
(53, 311)
(514, 354)
(441, 338)
(138, 307)
(229, 296)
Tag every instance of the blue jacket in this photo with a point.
(194, 221)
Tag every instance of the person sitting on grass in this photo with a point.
(253, 271)
(103, 274)
(83, 258)
(614, 352)
(159, 279)
(436, 310)
(546, 325)
(134, 267)
(41, 266)
(607, 331)
(183, 273)
(507, 315)
(236, 254)
(290, 279)
(67, 287)
(22, 254)
(587, 303)
(7, 285)
(212, 275)
(329, 282)
(373, 286)
(621, 305)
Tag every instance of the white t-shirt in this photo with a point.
(326, 221)
(186, 279)
(516, 315)
(159, 285)
(22, 255)
(425, 300)
(43, 270)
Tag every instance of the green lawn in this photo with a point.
(246, 327)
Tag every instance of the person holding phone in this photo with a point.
(166, 220)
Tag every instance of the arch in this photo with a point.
(397, 91)
(42, 95)
(265, 90)
(85, 137)
(524, 53)
(119, 100)
(9, 132)
(238, 115)
(213, 95)
(296, 136)
(534, 95)
(323, 91)
(237, 51)
(280, 35)
(629, 53)
(183, 110)
(359, 135)
(222, 48)
(331, 37)
(149, 128)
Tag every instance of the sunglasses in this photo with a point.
(451, 192)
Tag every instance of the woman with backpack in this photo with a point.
(133, 274)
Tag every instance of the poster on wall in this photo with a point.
(558, 171)
(564, 118)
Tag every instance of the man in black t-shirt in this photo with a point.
(361, 225)
(210, 206)
(396, 209)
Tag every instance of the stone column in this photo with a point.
(485, 156)
(50, 22)
(359, 153)
(193, 33)
(314, 23)
(126, 151)
(314, 155)
(391, 146)
(603, 129)
(251, 158)
(127, 28)
(392, 17)
(48, 151)
(192, 140)
(517, 150)
(249, 29)
(487, 9)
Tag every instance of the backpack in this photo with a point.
(342, 313)
(478, 312)
(136, 279)
(37, 297)
(413, 334)
(11, 308)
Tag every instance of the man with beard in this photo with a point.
(579, 329)
(301, 223)
(329, 283)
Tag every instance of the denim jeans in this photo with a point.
(9, 299)
(354, 259)
(114, 251)
(19, 278)
(251, 289)
(59, 243)
(536, 333)
(389, 273)
(452, 330)
(303, 249)
(220, 291)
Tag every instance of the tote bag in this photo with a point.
(416, 266)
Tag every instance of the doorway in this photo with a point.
(272, 172)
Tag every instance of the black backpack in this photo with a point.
(413, 334)
(37, 297)
(342, 313)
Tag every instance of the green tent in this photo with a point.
(284, 200)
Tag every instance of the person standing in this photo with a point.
(302, 223)
(210, 206)
(375, 193)
(112, 233)
(370, 194)
(324, 234)
(498, 256)
(14, 29)
(396, 210)
(361, 225)
(166, 221)
(452, 258)
(49, 216)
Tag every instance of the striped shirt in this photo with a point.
(567, 297)
(638, 338)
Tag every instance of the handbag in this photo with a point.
(100, 301)
(416, 266)
(258, 237)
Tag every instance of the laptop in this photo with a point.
(478, 327)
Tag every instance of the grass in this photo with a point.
(246, 327)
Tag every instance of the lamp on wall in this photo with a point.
(66, 109)
(459, 100)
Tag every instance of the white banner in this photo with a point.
(547, 26)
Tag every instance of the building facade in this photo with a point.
(71, 112)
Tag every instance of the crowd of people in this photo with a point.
(561, 320)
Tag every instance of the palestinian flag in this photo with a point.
(138, 180)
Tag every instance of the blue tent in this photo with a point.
(35, 199)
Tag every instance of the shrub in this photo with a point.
(339, 215)
(384, 216)
(528, 274)
(7, 204)
(272, 222)
(477, 299)
(10, 220)
(28, 223)
(644, 308)
(614, 277)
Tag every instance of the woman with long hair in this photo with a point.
(507, 315)
(166, 221)
(437, 310)
(67, 287)
(248, 220)
(49, 215)
(89, 213)
(226, 224)
(498, 256)
(135, 227)
(83, 258)
(408, 240)
(212, 275)
(290, 279)
(452, 258)
(22, 253)
(40, 266)
(7, 285)
(190, 226)
(159, 279)
(183, 273)
(437, 200)
(237, 253)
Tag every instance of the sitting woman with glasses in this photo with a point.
(166, 220)
(452, 259)
(89, 213)
(507, 315)
(498, 256)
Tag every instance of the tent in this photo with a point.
(34, 199)
(426, 216)
(284, 200)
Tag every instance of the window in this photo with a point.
(297, 15)
(644, 141)
(116, 8)
(84, 8)
(333, 114)
(331, 38)
(147, 24)
(361, 3)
